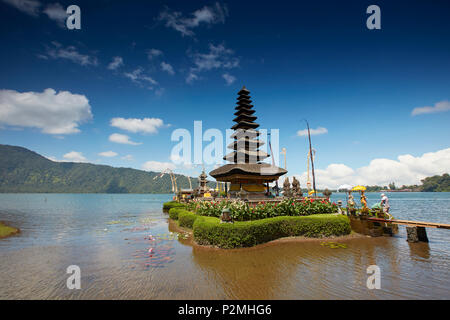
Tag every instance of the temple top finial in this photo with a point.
(243, 91)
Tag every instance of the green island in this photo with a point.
(6, 231)
(211, 231)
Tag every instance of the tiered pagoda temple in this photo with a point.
(246, 172)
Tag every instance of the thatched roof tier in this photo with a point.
(241, 133)
(244, 111)
(246, 155)
(234, 171)
(245, 125)
(247, 142)
(244, 117)
(247, 108)
(244, 104)
(243, 100)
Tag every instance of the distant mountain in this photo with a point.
(22, 170)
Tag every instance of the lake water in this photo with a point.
(107, 237)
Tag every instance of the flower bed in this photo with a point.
(242, 211)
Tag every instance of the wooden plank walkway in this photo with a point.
(413, 223)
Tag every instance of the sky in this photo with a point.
(114, 91)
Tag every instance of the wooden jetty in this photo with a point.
(415, 230)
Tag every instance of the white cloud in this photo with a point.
(191, 77)
(153, 53)
(218, 57)
(30, 7)
(158, 166)
(56, 12)
(52, 112)
(441, 106)
(159, 92)
(123, 139)
(139, 77)
(52, 158)
(167, 67)
(108, 154)
(69, 53)
(206, 15)
(319, 130)
(75, 156)
(406, 170)
(229, 78)
(115, 63)
(146, 125)
(128, 157)
(177, 160)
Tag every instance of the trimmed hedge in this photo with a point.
(209, 230)
(185, 218)
(172, 204)
(173, 213)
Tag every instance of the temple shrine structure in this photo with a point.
(246, 172)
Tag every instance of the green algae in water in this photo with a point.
(334, 245)
(147, 220)
(124, 223)
(6, 231)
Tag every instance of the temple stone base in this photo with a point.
(416, 234)
(247, 195)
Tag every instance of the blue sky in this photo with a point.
(180, 61)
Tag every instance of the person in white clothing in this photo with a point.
(385, 205)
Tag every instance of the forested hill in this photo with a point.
(22, 170)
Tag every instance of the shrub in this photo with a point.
(186, 218)
(209, 230)
(174, 212)
(172, 204)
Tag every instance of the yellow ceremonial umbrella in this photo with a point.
(359, 188)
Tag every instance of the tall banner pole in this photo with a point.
(312, 160)
(273, 162)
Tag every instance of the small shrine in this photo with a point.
(246, 172)
(202, 190)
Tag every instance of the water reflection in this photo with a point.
(420, 250)
(304, 270)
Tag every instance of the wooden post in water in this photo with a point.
(416, 234)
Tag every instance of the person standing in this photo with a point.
(385, 205)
